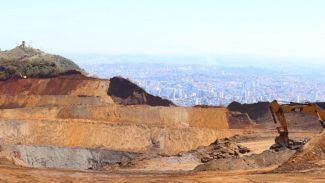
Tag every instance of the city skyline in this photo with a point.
(189, 85)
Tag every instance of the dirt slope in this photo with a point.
(238, 120)
(256, 111)
(311, 156)
(116, 90)
(69, 85)
(125, 92)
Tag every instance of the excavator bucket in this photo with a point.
(282, 139)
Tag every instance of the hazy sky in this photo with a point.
(259, 28)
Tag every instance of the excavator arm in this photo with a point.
(278, 111)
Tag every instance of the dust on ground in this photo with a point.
(221, 161)
(312, 156)
(13, 174)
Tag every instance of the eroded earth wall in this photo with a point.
(84, 133)
(75, 85)
(171, 117)
(77, 112)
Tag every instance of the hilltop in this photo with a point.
(25, 61)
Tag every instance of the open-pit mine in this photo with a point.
(60, 125)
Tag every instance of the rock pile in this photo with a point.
(293, 145)
(222, 148)
(265, 159)
(311, 156)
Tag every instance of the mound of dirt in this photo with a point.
(24, 61)
(226, 154)
(257, 111)
(311, 156)
(266, 159)
(238, 120)
(125, 92)
(220, 149)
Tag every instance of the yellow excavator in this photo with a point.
(278, 111)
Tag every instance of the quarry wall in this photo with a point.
(21, 101)
(126, 128)
(171, 117)
(77, 112)
(63, 85)
(65, 157)
(84, 133)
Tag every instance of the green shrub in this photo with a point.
(34, 63)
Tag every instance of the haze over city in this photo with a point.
(283, 38)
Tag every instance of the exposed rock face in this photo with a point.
(180, 117)
(22, 101)
(59, 117)
(125, 92)
(75, 85)
(67, 158)
(122, 137)
(75, 111)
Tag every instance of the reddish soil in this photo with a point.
(60, 85)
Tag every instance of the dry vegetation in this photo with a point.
(26, 61)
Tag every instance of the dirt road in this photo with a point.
(11, 174)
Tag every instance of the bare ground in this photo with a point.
(169, 169)
(10, 174)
